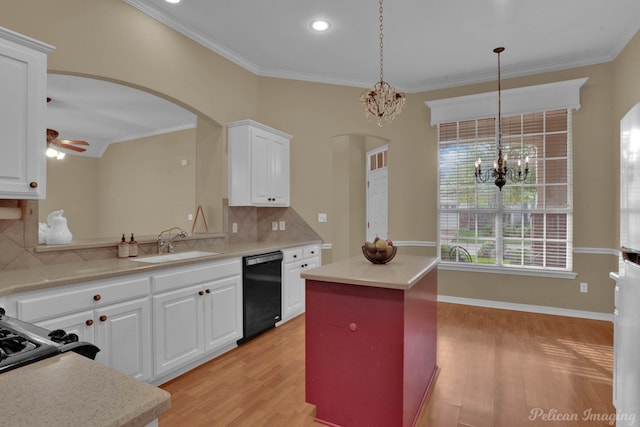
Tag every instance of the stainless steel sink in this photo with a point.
(174, 257)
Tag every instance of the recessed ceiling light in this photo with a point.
(173, 1)
(320, 25)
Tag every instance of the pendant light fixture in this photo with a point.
(382, 101)
(500, 170)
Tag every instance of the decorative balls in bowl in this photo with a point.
(379, 251)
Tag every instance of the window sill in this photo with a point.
(492, 269)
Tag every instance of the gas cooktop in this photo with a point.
(22, 343)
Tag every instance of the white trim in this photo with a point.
(414, 243)
(25, 41)
(557, 311)
(596, 251)
(494, 269)
(545, 97)
(326, 246)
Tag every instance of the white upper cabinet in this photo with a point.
(258, 165)
(23, 85)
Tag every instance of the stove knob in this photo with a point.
(57, 334)
(70, 338)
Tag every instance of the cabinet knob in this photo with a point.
(97, 297)
(33, 184)
(103, 318)
(89, 322)
(201, 293)
(295, 256)
(208, 291)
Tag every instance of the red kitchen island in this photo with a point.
(371, 340)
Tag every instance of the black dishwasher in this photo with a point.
(261, 293)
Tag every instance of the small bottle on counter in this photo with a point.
(133, 246)
(123, 248)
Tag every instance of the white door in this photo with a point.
(123, 334)
(377, 187)
(223, 312)
(178, 323)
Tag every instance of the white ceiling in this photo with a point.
(428, 44)
(102, 113)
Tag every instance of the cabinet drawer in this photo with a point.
(201, 273)
(311, 251)
(290, 255)
(80, 297)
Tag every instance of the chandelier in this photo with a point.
(501, 171)
(382, 101)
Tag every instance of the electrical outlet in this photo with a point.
(234, 227)
(281, 225)
(274, 225)
(190, 217)
(584, 287)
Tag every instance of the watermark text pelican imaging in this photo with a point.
(586, 415)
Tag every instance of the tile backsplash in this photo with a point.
(19, 237)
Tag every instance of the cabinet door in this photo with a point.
(123, 334)
(269, 169)
(82, 324)
(23, 74)
(278, 157)
(293, 295)
(223, 312)
(178, 328)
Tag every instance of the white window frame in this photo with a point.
(546, 97)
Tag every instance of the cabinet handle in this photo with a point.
(89, 322)
(33, 184)
(97, 297)
(103, 318)
(200, 293)
(208, 291)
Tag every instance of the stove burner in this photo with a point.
(12, 343)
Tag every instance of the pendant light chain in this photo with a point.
(381, 42)
(499, 51)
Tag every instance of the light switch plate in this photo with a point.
(274, 225)
(234, 227)
(322, 217)
(281, 225)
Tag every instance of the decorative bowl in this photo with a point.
(380, 257)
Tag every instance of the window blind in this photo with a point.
(527, 224)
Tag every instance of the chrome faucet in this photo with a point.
(169, 243)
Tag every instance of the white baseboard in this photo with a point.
(527, 307)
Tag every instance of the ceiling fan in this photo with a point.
(70, 144)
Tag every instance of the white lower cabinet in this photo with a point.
(196, 311)
(113, 314)
(121, 331)
(296, 260)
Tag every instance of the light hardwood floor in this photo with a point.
(496, 368)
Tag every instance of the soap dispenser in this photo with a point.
(133, 246)
(123, 248)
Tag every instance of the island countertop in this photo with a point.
(402, 272)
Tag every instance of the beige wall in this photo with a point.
(138, 186)
(111, 39)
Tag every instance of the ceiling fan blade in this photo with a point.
(73, 141)
(67, 146)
